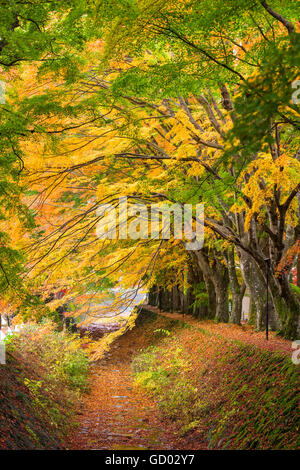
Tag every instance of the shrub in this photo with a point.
(54, 370)
(58, 355)
(164, 373)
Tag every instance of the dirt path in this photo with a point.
(115, 415)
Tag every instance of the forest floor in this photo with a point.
(244, 333)
(118, 415)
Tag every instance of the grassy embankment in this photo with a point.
(39, 387)
(234, 395)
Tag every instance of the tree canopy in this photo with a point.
(162, 102)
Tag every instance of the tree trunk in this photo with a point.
(287, 308)
(176, 299)
(237, 304)
(255, 285)
(252, 313)
(237, 291)
(221, 287)
(218, 274)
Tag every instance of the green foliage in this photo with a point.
(58, 352)
(265, 98)
(162, 332)
(295, 289)
(164, 373)
(29, 29)
(201, 296)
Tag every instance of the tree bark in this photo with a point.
(255, 285)
(237, 290)
(218, 275)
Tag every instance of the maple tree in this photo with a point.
(38, 36)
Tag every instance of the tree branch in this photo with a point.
(289, 26)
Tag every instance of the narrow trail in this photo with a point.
(118, 416)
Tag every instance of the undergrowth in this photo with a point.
(233, 395)
(45, 375)
(57, 355)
